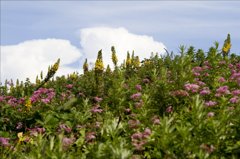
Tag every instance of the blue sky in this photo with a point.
(172, 23)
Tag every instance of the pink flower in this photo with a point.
(181, 93)
(133, 123)
(156, 120)
(136, 96)
(236, 92)
(234, 100)
(96, 109)
(147, 132)
(222, 91)
(4, 141)
(145, 80)
(205, 91)
(1, 98)
(67, 142)
(138, 87)
(97, 99)
(221, 80)
(136, 136)
(138, 104)
(191, 87)
(90, 136)
(69, 86)
(169, 109)
(19, 125)
(65, 128)
(210, 114)
(210, 103)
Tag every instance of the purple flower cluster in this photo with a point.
(205, 91)
(139, 139)
(210, 103)
(65, 128)
(138, 87)
(234, 100)
(43, 94)
(136, 96)
(66, 142)
(96, 109)
(97, 99)
(180, 93)
(90, 136)
(133, 124)
(192, 87)
(36, 131)
(223, 90)
(4, 141)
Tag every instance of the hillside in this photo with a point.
(183, 105)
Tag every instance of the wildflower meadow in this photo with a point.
(183, 105)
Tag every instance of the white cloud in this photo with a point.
(94, 39)
(29, 58)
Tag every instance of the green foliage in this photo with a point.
(170, 106)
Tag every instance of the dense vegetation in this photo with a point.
(184, 105)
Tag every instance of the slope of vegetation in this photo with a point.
(173, 106)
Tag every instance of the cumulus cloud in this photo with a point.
(29, 58)
(94, 39)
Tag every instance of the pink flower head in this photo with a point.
(191, 87)
(19, 125)
(65, 128)
(181, 93)
(97, 99)
(138, 87)
(96, 109)
(4, 141)
(222, 91)
(138, 104)
(210, 114)
(210, 103)
(69, 86)
(205, 91)
(169, 109)
(136, 96)
(221, 80)
(67, 142)
(156, 120)
(90, 136)
(137, 136)
(146, 80)
(147, 132)
(234, 100)
(133, 123)
(236, 92)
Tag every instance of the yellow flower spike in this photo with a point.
(85, 66)
(28, 104)
(128, 61)
(99, 67)
(20, 137)
(227, 46)
(136, 62)
(114, 56)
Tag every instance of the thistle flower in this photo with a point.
(85, 67)
(227, 46)
(114, 56)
